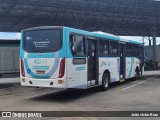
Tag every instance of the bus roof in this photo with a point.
(103, 35)
(92, 34)
(130, 41)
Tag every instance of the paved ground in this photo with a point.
(140, 95)
(9, 80)
(155, 72)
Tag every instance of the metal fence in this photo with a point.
(9, 59)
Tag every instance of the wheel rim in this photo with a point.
(106, 81)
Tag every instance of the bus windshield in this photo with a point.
(42, 40)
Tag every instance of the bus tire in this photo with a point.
(105, 82)
(134, 78)
(136, 74)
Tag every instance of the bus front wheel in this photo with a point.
(105, 82)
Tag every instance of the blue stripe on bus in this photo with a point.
(135, 42)
(80, 68)
(72, 30)
(40, 67)
(31, 73)
(41, 55)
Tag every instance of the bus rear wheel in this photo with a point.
(136, 74)
(105, 82)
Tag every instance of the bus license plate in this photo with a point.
(40, 72)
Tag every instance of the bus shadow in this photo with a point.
(8, 85)
(69, 95)
(127, 81)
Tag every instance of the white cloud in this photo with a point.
(9, 35)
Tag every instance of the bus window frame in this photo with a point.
(39, 29)
(97, 39)
(127, 43)
(137, 47)
(101, 40)
(117, 48)
(85, 52)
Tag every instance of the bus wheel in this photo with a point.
(136, 74)
(105, 82)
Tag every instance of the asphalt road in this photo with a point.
(140, 95)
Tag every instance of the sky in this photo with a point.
(14, 35)
(9, 35)
(140, 39)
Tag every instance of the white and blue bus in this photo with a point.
(63, 57)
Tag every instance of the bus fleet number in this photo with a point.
(40, 61)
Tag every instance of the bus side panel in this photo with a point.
(131, 64)
(63, 54)
(112, 64)
(76, 74)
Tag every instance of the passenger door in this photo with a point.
(77, 66)
(92, 62)
(122, 60)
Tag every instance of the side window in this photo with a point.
(77, 45)
(101, 48)
(114, 48)
(104, 48)
(141, 52)
(128, 50)
(135, 51)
